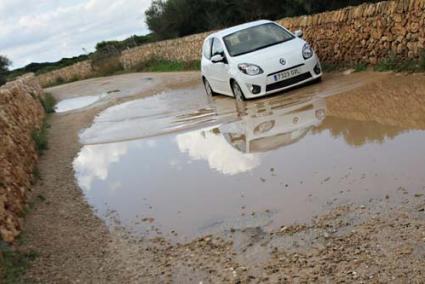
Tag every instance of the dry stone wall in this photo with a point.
(366, 33)
(182, 49)
(79, 71)
(20, 114)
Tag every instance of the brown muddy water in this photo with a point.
(182, 165)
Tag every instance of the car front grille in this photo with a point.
(288, 82)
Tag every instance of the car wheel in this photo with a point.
(237, 92)
(208, 88)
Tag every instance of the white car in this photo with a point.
(257, 59)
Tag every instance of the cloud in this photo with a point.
(93, 162)
(48, 30)
(221, 156)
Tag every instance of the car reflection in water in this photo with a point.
(270, 124)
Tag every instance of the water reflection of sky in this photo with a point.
(282, 160)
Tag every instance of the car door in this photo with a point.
(206, 59)
(219, 71)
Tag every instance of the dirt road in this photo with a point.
(156, 183)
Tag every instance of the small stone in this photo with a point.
(283, 229)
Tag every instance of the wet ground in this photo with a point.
(322, 184)
(181, 165)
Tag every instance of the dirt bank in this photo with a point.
(380, 241)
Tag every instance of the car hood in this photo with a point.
(269, 58)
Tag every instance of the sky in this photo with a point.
(48, 30)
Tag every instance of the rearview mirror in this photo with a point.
(217, 58)
(299, 33)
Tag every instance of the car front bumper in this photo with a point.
(310, 71)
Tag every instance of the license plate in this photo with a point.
(286, 74)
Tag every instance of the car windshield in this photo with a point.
(255, 38)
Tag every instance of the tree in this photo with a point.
(4, 68)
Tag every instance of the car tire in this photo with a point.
(208, 88)
(237, 92)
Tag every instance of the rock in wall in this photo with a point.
(20, 114)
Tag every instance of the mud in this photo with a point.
(322, 184)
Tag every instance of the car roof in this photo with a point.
(231, 30)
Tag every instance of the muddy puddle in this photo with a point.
(181, 165)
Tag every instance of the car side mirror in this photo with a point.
(217, 58)
(299, 33)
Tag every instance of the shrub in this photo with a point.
(48, 102)
(14, 263)
(422, 61)
(360, 67)
(39, 137)
(398, 64)
(59, 81)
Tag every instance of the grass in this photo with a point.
(14, 263)
(36, 175)
(391, 63)
(48, 102)
(398, 65)
(163, 65)
(360, 67)
(40, 138)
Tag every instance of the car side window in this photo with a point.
(217, 47)
(207, 49)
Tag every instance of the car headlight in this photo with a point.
(250, 69)
(307, 51)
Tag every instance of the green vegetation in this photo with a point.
(4, 67)
(48, 102)
(391, 63)
(177, 18)
(162, 65)
(360, 67)
(398, 64)
(40, 138)
(40, 135)
(130, 42)
(13, 264)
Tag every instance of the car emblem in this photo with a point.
(282, 61)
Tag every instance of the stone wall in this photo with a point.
(20, 114)
(79, 71)
(182, 49)
(366, 33)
